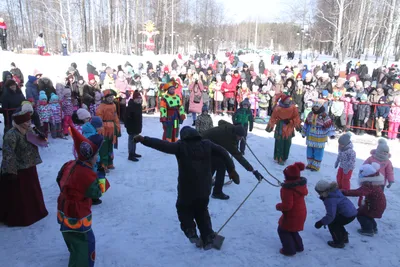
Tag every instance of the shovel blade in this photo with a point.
(218, 241)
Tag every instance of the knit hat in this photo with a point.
(368, 170)
(317, 104)
(383, 99)
(239, 130)
(42, 96)
(204, 108)
(396, 86)
(109, 92)
(26, 106)
(83, 114)
(169, 85)
(364, 97)
(13, 64)
(36, 72)
(86, 148)
(245, 102)
(322, 186)
(345, 139)
(325, 93)
(53, 97)
(21, 117)
(383, 148)
(298, 76)
(292, 172)
(71, 70)
(96, 122)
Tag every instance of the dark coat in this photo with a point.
(194, 156)
(45, 84)
(11, 100)
(225, 136)
(88, 95)
(382, 111)
(31, 89)
(17, 72)
(133, 118)
(91, 70)
(261, 67)
(298, 99)
(362, 111)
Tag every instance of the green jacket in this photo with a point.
(244, 117)
(224, 135)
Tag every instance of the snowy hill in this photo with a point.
(137, 225)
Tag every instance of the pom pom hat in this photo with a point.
(86, 148)
(292, 172)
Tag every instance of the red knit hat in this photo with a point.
(292, 172)
(91, 76)
(298, 76)
(84, 147)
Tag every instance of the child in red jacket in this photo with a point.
(294, 211)
(374, 204)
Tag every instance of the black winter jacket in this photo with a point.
(11, 100)
(194, 156)
(225, 136)
(362, 111)
(133, 118)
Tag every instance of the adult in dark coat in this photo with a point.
(18, 73)
(45, 84)
(6, 76)
(195, 157)
(228, 136)
(91, 69)
(133, 123)
(11, 100)
(261, 67)
(88, 95)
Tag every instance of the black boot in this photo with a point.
(336, 245)
(208, 242)
(137, 155)
(194, 123)
(191, 234)
(132, 158)
(96, 201)
(221, 196)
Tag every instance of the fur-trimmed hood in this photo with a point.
(374, 180)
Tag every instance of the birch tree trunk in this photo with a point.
(93, 26)
(389, 33)
(71, 43)
(109, 25)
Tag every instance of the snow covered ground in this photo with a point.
(137, 223)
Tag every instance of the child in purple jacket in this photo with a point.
(340, 211)
(381, 156)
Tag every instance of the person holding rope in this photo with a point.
(195, 157)
(228, 136)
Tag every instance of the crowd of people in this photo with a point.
(315, 102)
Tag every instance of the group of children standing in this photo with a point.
(374, 175)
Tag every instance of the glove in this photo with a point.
(318, 225)
(138, 139)
(390, 184)
(336, 164)
(268, 129)
(258, 176)
(234, 176)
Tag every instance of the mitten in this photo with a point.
(258, 176)
(336, 164)
(234, 176)
(318, 225)
(138, 139)
(390, 184)
(268, 129)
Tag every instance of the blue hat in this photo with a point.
(53, 97)
(42, 96)
(96, 122)
(325, 93)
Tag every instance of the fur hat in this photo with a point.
(42, 96)
(21, 117)
(53, 97)
(345, 139)
(26, 106)
(368, 170)
(323, 187)
(96, 122)
(36, 72)
(292, 172)
(317, 104)
(83, 114)
(86, 148)
(239, 130)
(109, 92)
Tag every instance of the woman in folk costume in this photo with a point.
(21, 197)
(107, 111)
(286, 118)
(317, 127)
(172, 113)
(78, 186)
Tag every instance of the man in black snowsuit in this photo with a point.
(194, 156)
(228, 136)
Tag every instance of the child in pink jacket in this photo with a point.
(394, 119)
(348, 112)
(381, 156)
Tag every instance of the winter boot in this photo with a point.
(96, 201)
(336, 245)
(111, 167)
(346, 238)
(366, 233)
(221, 196)
(132, 157)
(194, 123)
(191, 234)
(288, 255)
(137, 155)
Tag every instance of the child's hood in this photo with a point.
(299, 186)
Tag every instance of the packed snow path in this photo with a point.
(137, 225)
